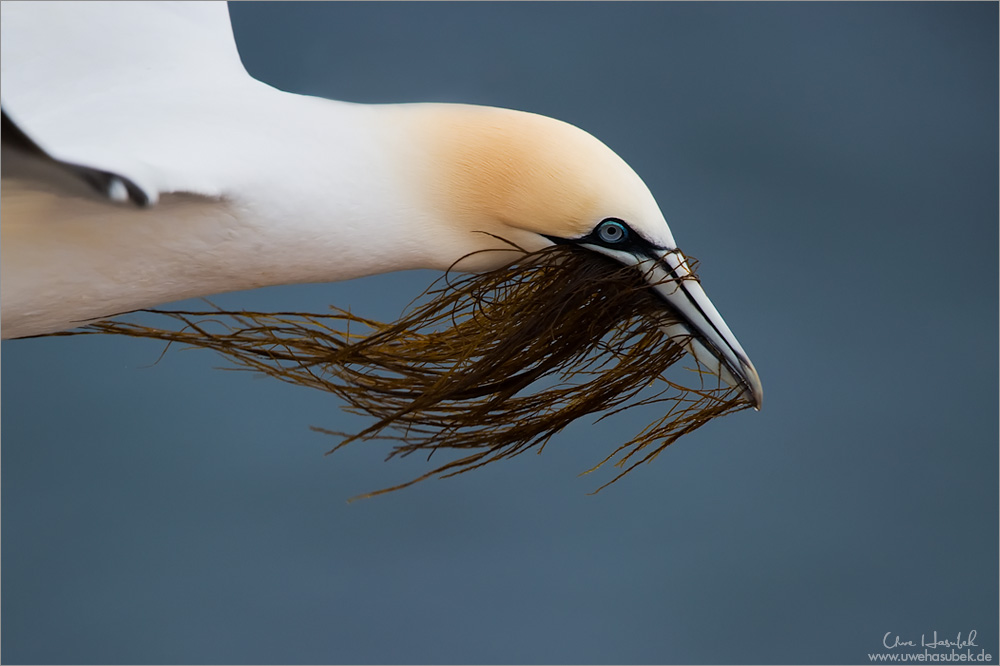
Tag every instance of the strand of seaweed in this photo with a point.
(490, 365)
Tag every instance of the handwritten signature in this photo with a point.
(891, 641)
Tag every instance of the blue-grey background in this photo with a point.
(834, 168)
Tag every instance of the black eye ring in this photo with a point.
(612, 231)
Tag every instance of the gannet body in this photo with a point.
(142, 165)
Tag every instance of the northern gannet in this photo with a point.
(142, 165)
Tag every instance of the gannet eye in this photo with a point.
(612, 231)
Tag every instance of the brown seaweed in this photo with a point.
(490, 365)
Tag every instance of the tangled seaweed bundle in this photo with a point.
(490, 364)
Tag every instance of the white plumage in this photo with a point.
(209, 181)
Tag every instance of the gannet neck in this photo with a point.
(301, 190)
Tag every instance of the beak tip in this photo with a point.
(701, 328)
(738, 372)
(752, 386)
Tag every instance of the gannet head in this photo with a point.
(534, 181)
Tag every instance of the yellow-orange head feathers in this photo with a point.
(526, 177)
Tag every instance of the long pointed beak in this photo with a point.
(708, 337)
(703, 331)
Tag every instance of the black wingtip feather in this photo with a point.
(12, 136)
